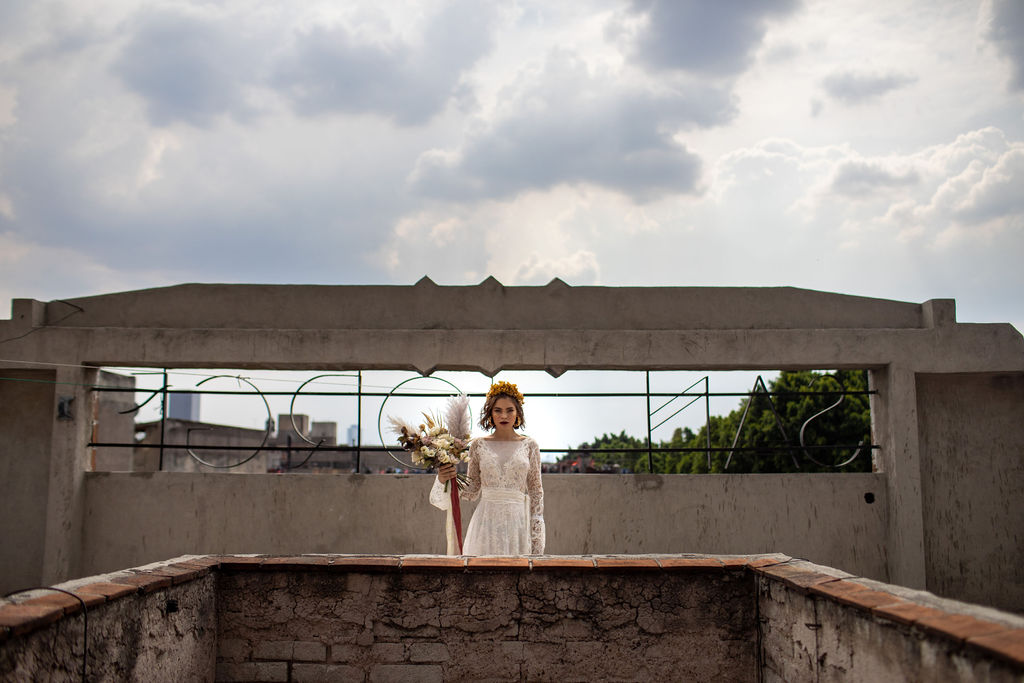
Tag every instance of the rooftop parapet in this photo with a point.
(317, 617)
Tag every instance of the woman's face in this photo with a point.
(503, 413)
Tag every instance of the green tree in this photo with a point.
(616, 453)
(769, 440)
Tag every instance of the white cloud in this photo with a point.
(998, 193)
(529, 239)
(159, 144)
(966, 188)
(580, 267)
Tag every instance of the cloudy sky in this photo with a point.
(854, 146)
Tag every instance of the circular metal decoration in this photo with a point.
(266, 434)
(380, 413)
(812, 418)
(291, 418)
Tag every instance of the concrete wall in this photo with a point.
(145, 517)
(27, 412)
(113, 424)
(972, 476)
(488, 328)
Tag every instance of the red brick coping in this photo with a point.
(1001, 641)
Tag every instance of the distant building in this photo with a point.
(295, 453)
(298, 446)
(114, 423)
(183, 407)
(176, 432)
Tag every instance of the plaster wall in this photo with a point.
(972, 475)
(814, 639)
(26, 418)
(135, 518)
(134, 639)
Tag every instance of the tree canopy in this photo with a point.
(768, 438)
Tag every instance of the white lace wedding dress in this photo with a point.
(505, 476)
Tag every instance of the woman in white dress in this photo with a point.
(504, 473)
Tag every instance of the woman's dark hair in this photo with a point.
(487, 421)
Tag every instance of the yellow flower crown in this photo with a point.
(506, 388)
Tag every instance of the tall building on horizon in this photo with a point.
(183, 407)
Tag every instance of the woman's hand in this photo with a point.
(446, 473)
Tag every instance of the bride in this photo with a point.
(504, 473)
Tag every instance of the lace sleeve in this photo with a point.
(536, 491)
(438, 497)
(472, 489)
(441, 499)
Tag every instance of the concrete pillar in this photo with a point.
(894, 422)
(69, 460)
(26, 418)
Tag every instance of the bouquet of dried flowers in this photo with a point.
(439, 439)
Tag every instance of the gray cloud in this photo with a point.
(13, 16)
(857, 178)
(233, 206)
(855, 88)
(333, 70)
(712, 38)
(570, 127)
(1006, 31)
(194, 67)
(187, 67)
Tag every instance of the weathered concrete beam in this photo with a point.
(960, 348)
(488, 305)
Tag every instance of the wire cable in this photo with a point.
(85, 620)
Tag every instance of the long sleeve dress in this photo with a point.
(505, 477)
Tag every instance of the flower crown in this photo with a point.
(506, 388)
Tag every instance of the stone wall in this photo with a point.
(433, 618)
(137, 631)
(429, 623)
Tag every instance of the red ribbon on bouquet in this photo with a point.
(456, 511)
